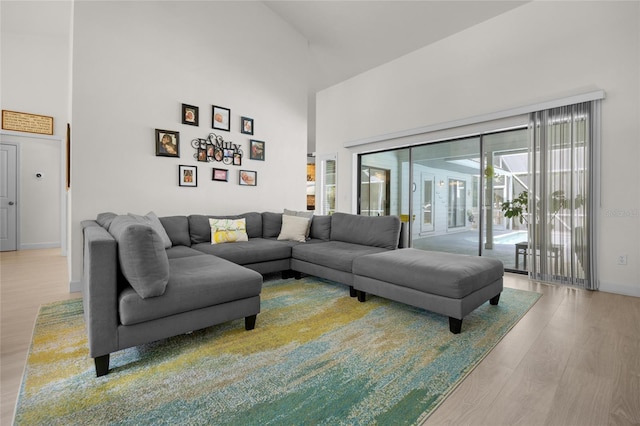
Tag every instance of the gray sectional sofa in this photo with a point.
(147, 278)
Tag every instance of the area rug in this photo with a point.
(316, 356)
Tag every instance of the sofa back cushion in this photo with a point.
(177, 228)
(200, 229)
(271, 224)
(142, 256)
(375, 231)
(321, 227)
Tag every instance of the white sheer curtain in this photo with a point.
(562, 200)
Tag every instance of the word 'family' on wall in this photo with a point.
(215, 148)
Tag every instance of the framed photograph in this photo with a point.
(246, 125)
(248, 178)
(237, 159)
(188, 175)
(190, 115)
(220, 118)
(256, 150)
(167, 143)
(221, 175)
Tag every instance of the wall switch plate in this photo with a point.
(622, 259)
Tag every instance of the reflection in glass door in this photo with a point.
(426, 204)
(457, 203)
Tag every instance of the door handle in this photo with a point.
(11, 203)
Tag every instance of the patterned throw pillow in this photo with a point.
(228, 230)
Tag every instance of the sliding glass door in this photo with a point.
(451, 193)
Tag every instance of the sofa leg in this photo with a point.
(250, 322)
(362, 296)
(297, 275)
(102, 365)
(494, 300)
(455, 325)
(352, 291)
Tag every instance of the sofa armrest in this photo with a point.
(100, 289)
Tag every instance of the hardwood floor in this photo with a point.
(574, 359)
(28, 279)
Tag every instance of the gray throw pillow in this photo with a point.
(143, 259)
(152, 220)
(104, 219)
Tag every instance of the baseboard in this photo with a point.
(39, 246)
(623, 289)
(75, 286)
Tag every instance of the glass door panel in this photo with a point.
(506, 171)
(444, 174)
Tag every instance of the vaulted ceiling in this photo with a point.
(347, 38)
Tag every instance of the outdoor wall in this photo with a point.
(35, 50)
(537, 52)
(135, 63)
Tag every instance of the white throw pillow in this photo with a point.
(294, 228)
(228, 230)
(307, 214)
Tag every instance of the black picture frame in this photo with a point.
(256, 150)
(221, 175)
(190, 115)
(221, 118)
(248, 178)
(246, 125)
(167, 143)
(187, 175)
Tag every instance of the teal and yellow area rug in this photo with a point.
(316, 357)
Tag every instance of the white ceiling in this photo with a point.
(347, 38)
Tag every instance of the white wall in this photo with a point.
(35, 79)
(135, 63)
(537, 52)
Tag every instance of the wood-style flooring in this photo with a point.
(574, 359)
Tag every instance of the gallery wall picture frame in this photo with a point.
(167, 143)
(246, 125)
(190, 115)
(221, 118)
(187, 175)
(248, 178)
(221, 175)
(256, 150)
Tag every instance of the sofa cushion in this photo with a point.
(376, 231)
(152, 220)
(332, 254)
(195, 282)
(271, 224)
(256, 250)
(200, 230)
(182, 251)
(294, 228)
(177, 228)
(228, 230)
(143, 258)
(320, 227)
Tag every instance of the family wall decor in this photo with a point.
(212, 148)
(215, 148)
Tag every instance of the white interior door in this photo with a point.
(8, 198)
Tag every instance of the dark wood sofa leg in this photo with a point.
(362, 296)
(494, 300)
(352, 291)
(297, 275)
(455, 325)
(250, 322)
(102, 365)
